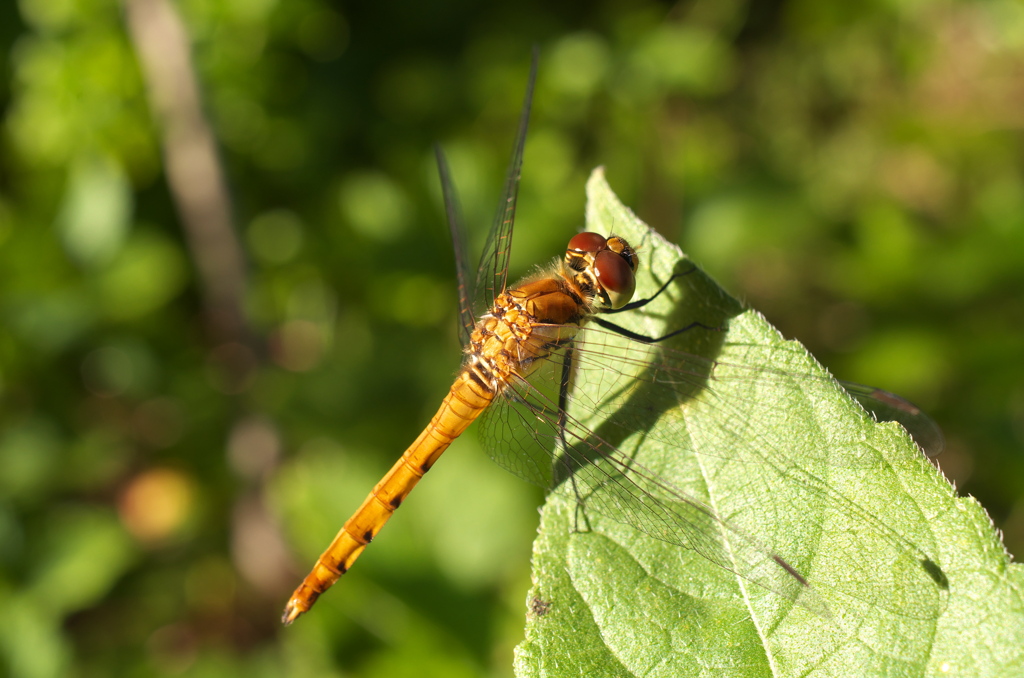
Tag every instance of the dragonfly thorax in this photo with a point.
(603, 268)
(537, 317)
(525, 324)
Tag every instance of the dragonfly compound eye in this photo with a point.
(588, 242)
(615, 274)
(622, 248)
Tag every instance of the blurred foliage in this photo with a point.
(852, 169)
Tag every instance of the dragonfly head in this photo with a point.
(607, 266)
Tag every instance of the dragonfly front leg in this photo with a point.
(640, 303)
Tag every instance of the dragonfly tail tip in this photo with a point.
(291, 613)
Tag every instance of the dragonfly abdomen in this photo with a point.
(525, 324)
(464, 403)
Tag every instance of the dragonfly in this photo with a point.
(526, 349)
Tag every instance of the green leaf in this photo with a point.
(904, 577)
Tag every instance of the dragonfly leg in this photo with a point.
(640, 303)
(636, 336)
(563, 393)
(580, 522)
(563, 457)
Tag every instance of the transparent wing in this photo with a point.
(493, 270)
(562, 455)
(456, 227)
(629, 395)
(662, 380)
(886, 406)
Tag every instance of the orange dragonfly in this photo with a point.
(535, 341)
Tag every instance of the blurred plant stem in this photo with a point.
(199, 191)
(193, 170)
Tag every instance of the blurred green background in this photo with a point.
(852, 170)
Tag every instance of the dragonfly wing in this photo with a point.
(456, 227)
(679, 376)
(493, 270)
(886, 406)
(736, 414)
(526, 433)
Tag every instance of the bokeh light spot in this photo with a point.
(275, 237)
(108, 372)
(156, 504)
(578, 63)
(94, 217)
(147, 273)
(323, 34)
(374, 206)
(298, 345)
(253, 447)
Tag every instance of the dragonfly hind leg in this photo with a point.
(564, 458)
